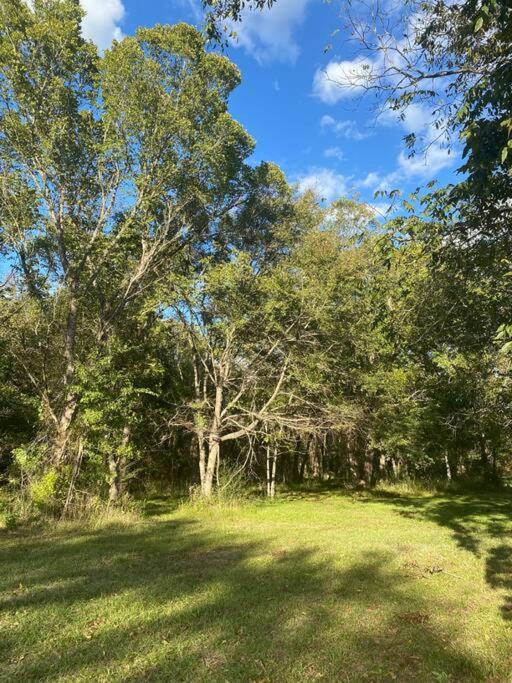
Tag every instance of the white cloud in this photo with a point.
(383, 209)
(414, 119)
(390, 181)
(425, 164)
(343, 80)
(345, 128)
(392, 47)
(371, 180)
(268, 35)
(325, 183)
(432, 153)
(101, 22)
(334, 153)
(329, 186)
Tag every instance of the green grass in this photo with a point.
(317, 586)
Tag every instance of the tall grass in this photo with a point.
(18, 510)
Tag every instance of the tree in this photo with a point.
(109, 166)
(258, 325)
(439, 383)
(230, 316)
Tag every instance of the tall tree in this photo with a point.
(108, 167)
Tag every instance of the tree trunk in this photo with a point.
(273, 475)
(63, 434)
(495, 463)
(114, 492)
(201, 445)
(303, 459)
(214, 442)
(268, 470)
(117, 465)
(314, 458)
(271, 472)
(365, 465)
(74, 476)
(352, 464)
(70, 405)
(395, 468)
(448, 468)
(376, 466)
(294, 462)
(213, 456)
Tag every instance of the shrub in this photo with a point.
(232, 488)
(43, 491)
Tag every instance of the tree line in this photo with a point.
(173, 315)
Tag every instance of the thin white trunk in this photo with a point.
(448, 468)
(271, 472)
(273, 475)
(268, 470)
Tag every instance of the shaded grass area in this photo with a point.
(317, 586)
(479, 524)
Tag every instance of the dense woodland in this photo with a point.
(175, 317)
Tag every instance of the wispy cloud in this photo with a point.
(350, 78)
(194, 8)
(334, 153)
(372, 180)
(268, 35)
(329, 186)
(433, 152)
(345, 128)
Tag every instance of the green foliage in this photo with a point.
(218, 11)
(174, 311)
(44, 491)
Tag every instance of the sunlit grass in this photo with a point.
(316, 586)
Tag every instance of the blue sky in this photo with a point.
(322, 135)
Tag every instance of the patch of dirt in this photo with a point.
(213, 660)
(427, 570)
(434, 569)
(279, 552)
(404, 548)
(92, 626)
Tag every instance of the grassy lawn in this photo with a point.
(320, 586)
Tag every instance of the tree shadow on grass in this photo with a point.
(159, 506)
(477, 522)
(172, 601)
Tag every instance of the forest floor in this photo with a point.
(318, 586)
